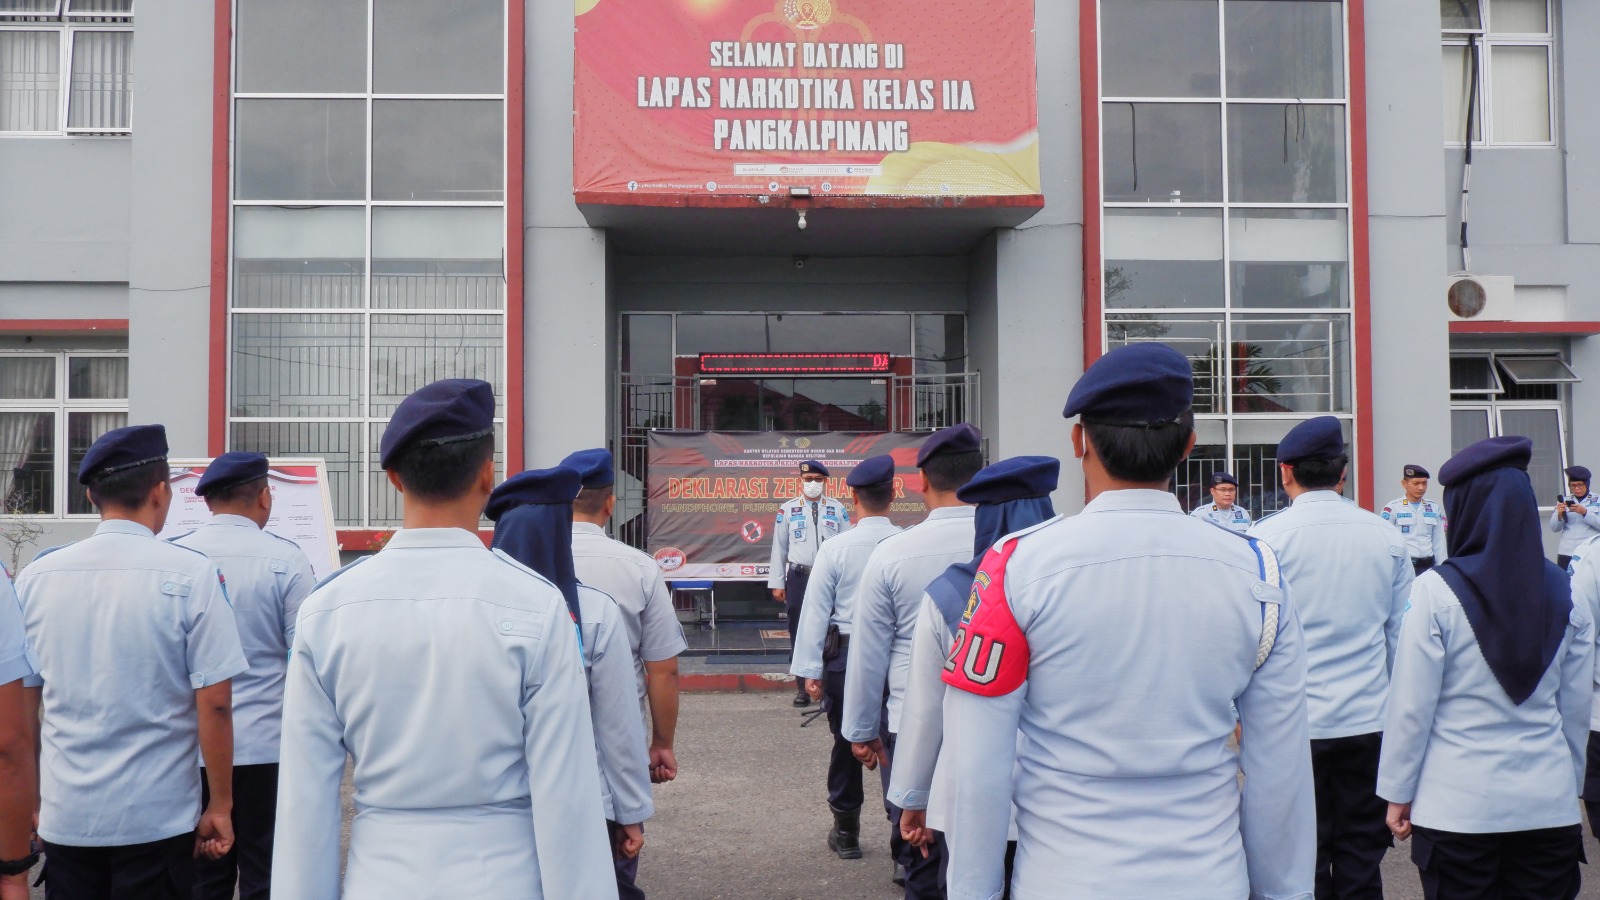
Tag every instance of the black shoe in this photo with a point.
(802, 700)
(899, 875)
(845, 838)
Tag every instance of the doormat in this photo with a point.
(748, 659)
(774, 634)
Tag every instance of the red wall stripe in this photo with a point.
(221, 110)
(1093, 267)
(516, 116)
(1361, 281)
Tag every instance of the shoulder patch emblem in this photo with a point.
(990, 654)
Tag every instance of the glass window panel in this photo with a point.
(83, 429)
(437, 258)
(30, 80)
(1473, 375)
(1162, 152)
(27, 377)
(1159, 48)
(29, 7)
(1200, 338)
(1519, 82)
(1286, 48)
(1163, 258)
(100, 7)
(1460, 14)
(438, 48)
(451, 150)
(1289, 258)
(1297, 364)
(298, 258)
(1457, 70)
(296, 365)
(97, 378)
(1538, 370)
(338, 443)
(1518, 17)
(28, 462)
(409, 351)
(1467, 427)
(793, 333)
(300, 150)
(1543, 427)
(940, 344)
(302, 46)
(1286, 153)
(101, 95)
(647, 345)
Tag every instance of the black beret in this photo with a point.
(444, 412)
(230, 469)
(1144, 384)
(1415, 471)
(1219, 478)
(596, 467)
(872, 470)
(123, 448)
(1319, 438)
(1579, 473)
(1509, 451)
(812, 467)
(556, 486)
(1017, 478)
(961, 438)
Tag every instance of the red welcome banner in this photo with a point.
(920, 98)
(713, 495)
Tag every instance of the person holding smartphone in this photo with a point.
(1575, 515)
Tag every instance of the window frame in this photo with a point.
(62, 406)
(66, 31)
(1488, 40)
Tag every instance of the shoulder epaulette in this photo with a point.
(341, 570)
(178, 537)
(49, 550)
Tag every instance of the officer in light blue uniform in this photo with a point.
(137, 646)
(18, 799)
(268, 578)
(1351, 577)
(1584, 569)
(1011, 495)
(451, 676)
(1421, 522)
(887, 603)
(1576, 516)
(1117, 642)
(1483, 754)
(532, 512)
(822, 643)
(1223, 510)
(804, 524)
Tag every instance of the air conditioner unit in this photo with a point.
(1481, 298)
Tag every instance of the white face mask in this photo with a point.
(812, 489)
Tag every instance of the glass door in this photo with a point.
(794, 404)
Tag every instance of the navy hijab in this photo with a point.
(1517, 602)
(1011, 495)
(532, 514)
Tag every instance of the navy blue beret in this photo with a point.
(1219, 478)
(123, 448)
(961, 438)
(444, 412)
(1415, 471)
(559, 485)
(595, 467)
(872, 470)
(1579, 473)
(1017, 478)
(1144, 384)
(1319, 438)
(230, 469)
(812, 467)
(1509, 451)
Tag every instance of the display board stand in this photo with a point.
(302, 507)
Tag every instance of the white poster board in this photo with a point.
(302, 507)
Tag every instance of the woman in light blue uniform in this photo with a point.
(1483, 751)
(1576, 517)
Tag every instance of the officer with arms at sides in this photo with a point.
(1351, 577)
(1575, 516)
(1584, 570)
(532, 515)
(137, 646)
(822, 643)
(451, 676)
(1489, 706)
(1117, 642)
(887, 603)
(268, 578)
(18, 795)
(633, 580)
(1421, 522)
(804, 524)
(1223, 511)
(1011, 495)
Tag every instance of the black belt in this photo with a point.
(1422, 560)
(796, 567)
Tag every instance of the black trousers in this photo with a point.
(1352, 836)
(845, 790)
(1591, 783)
(924, 874)
(1515, 865)
(627, 869)
(794, 591)
(158, 870)
(1420, 564)
(1561, 561)
(255, 814)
